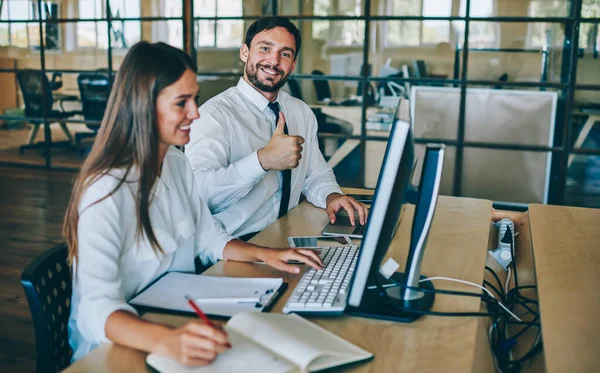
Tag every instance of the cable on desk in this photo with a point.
(500, 294)
(501, 342)
(472, 284)
(507, 279)
(486, 297)
(497, 280)
(502, 313)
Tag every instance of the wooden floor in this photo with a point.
(11, 139)
(32, 205)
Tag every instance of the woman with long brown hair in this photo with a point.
(135, 213)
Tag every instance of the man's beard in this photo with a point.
(252, 73)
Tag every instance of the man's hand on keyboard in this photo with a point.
(279, 258)
(336, 202)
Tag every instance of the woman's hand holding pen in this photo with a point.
(279, 258)
(192, 344)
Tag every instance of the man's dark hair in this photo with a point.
(269, 23)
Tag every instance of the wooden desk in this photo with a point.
(566, 246)
(457, 248)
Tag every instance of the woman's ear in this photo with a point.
(244, 51)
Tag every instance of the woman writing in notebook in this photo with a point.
(135, 213)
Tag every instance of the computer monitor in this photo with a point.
(370, 294)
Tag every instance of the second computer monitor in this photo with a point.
(371, 295)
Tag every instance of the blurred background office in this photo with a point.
(512, 87)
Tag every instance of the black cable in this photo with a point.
(494, 289)
(514, 260)
(515, 322)
(526, 328)
(497, 278)
(516, 289)
(530, 354)
(449, 292)
(501, 343)
(527, 300)
(510, 365)
(522, 304)
(450, 314)
(436, 291)
(483, 296)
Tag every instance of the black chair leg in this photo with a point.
(65, 129)
(33, 133)
(40, 145)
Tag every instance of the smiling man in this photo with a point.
(254, 149)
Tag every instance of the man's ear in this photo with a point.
(244, 51)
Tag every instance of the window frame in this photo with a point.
(384, 29)
(330, 41)
(116, 50)
(11, 43)
(213, 46)
(31, 20)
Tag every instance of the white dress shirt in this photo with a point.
(112, 265)
(223, 152)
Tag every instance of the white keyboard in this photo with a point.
(325, 291)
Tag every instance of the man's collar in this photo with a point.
(253, 95)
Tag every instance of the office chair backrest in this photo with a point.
(34, 86)
(56, 81)
(47, 284)
(420, 69)
(321, 87)
(295, 88)
(94, 89)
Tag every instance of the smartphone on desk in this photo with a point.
(316, 243)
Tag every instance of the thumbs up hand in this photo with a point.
(282, 152)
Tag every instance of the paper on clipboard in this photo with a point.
(218, 296)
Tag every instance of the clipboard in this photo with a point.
(166, 294)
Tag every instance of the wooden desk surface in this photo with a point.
(457, 247)
(566, 246)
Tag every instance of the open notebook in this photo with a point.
(277, 343)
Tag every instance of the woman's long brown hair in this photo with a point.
(128, 135)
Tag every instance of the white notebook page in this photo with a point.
(244, 356)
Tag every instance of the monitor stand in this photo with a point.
(385, 303)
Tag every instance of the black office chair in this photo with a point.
(323, 126)
(321, 87)
(94, 89)
(420, 69)
(47, 284)
(324, 93)
(35, 86)
(295, 88)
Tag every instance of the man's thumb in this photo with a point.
(280, 125)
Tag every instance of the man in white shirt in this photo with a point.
(251, 162)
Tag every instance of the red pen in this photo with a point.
(199, 311)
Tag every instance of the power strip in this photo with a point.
(506, 239)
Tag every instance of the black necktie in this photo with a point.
(286, 174)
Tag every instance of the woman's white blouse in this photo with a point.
(113, 265)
